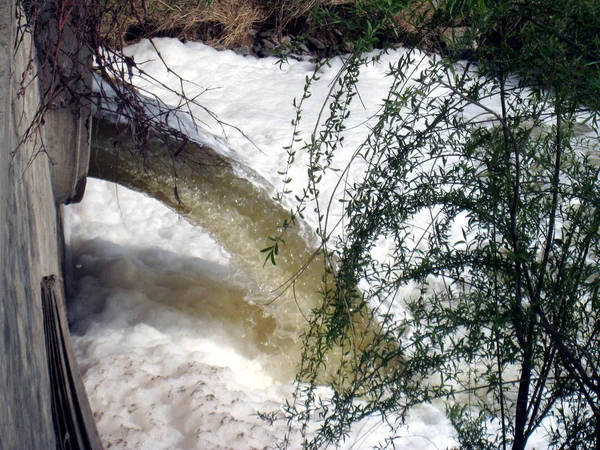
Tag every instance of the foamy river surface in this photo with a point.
(174, 333)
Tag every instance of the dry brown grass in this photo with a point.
(223, 23)
(420, 12)
(233, 19)
(417, 19)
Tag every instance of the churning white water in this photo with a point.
(177, 338)
(164, 337)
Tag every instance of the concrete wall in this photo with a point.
(31, 244)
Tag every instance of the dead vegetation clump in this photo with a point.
(220, 23)
(429, 26)
(233, 24)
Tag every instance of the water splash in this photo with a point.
(232, 205)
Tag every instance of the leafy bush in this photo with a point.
(494, 216)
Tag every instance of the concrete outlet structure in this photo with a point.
(43, 404)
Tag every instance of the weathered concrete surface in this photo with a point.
(30, 248)
(67, 127)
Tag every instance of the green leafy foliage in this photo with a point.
(493, 215)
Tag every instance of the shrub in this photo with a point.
(494, 217)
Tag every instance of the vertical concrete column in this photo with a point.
(30, 249)
(25, 405)
(64, 58)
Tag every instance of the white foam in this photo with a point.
(161, 367)
(164, 365)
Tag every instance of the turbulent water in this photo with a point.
(181, 332)
(221, 198)
(163, 334)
